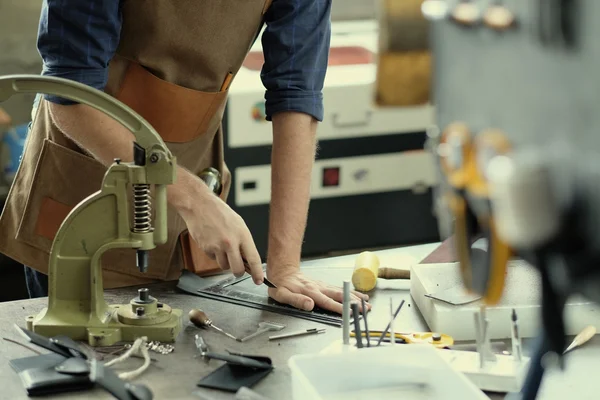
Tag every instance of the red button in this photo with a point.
(331, 176)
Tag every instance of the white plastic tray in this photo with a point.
(379, 373)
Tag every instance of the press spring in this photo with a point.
(142, 207)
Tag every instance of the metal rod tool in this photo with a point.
(346, 312)
(357, 330)
(484, 346)
(364, 314)
(392, 331)
(516, 338)
(387, 328)
(296, 334)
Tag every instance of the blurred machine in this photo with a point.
(372, 167)
(516, 139)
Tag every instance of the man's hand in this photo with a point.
(300, 291)
(220, 232)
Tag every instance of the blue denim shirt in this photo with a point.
(77, 39)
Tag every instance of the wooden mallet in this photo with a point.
(367, 269)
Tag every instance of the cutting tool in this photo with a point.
(439, 340)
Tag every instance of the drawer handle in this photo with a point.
(366, 121)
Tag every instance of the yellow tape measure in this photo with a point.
(439, 340)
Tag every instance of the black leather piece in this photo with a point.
(41, 361)
(68, 370)
(240, 370)
(140, 392)
(45, 381)
(231, 378)
(44, 342)
(73, 366)
(262, 359)
(244, 361)
(70, 345)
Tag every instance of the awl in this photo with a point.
(299, 333)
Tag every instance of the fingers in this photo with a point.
(253, 263)
(284, 295)
(235, 261)
(360, 295)
(322, 300)
(338, 295)
(222, 261)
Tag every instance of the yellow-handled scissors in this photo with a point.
(439, 340)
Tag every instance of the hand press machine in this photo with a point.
(103, 221)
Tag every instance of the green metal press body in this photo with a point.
(104, 221)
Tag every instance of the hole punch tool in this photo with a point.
(106, 220)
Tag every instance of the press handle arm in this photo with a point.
(144, 133)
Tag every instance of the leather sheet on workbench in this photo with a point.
(243, 291)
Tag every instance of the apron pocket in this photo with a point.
(194, 258)
(178, 114)
(62, 179)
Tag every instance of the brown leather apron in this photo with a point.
(174, 66)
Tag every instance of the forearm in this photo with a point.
(106, 139)
(294, 145)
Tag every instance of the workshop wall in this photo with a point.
(18, 30)
(343, 10)
(18, 52)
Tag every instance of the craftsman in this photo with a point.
(173, 63)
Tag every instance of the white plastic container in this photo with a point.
(399, 372)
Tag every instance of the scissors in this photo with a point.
(439, 340)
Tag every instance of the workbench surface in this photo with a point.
(174, 376)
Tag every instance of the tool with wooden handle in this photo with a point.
(367, 270)
(201, 320)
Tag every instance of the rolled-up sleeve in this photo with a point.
(77, 39)
(296, 44)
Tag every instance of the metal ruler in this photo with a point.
(242, 291)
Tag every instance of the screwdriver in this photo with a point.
(201, 320)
